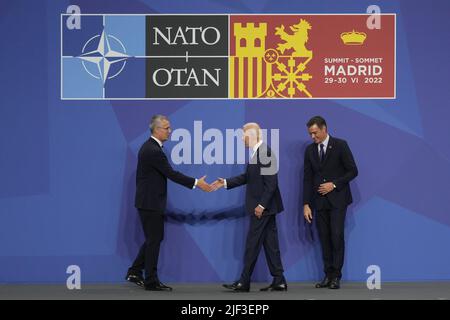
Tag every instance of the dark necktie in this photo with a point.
(322, 152)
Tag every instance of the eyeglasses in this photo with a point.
(168, 128)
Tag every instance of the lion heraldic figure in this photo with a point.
(295, 41)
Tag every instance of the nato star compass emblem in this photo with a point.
(104, 57)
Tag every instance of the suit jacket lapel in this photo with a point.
(316, 153)
(256, 157)
(329, 149)
(256, 160)
(155, 143)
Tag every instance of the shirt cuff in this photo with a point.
(261, 207)
(195, 183)
(225, 183)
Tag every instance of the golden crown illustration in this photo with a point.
(353, 38)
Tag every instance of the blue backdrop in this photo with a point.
(67, 168)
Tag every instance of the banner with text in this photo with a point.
(223, 56)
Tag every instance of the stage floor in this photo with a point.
(297, 291)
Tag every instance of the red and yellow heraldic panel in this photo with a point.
(311, 56)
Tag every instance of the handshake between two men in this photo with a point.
(210, 187)
(220, 183)
(262, 201)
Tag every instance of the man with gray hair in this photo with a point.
(263, 202)
(153, 170)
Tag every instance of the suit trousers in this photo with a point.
(147, 258)
(262, 233)
(330, 225)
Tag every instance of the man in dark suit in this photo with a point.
(262, 202)
(328, 169)
(153, 170)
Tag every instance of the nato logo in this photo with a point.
(104, 58)
(110, 57)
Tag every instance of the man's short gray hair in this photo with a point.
(156, 121)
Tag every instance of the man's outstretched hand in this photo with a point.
(219, 183)
(202, 184)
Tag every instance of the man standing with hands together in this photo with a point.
(328, 169)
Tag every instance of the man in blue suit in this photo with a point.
(263, 202)
(153, 170)
(328, 169)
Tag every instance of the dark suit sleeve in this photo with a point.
(160, 162)
(270, 185)
(351, 171)
(307, 179)
(269, 177)
(236, 181)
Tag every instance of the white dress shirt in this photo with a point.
(325, 145)
(255, 148)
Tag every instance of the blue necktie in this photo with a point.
(322, 152)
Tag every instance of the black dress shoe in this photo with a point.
(157, 287)
(135, 278)
(230, 286)
(335, 283)
(153, 287)
(163, 286)
(324, 284)
(275, 287)
(237, 286)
